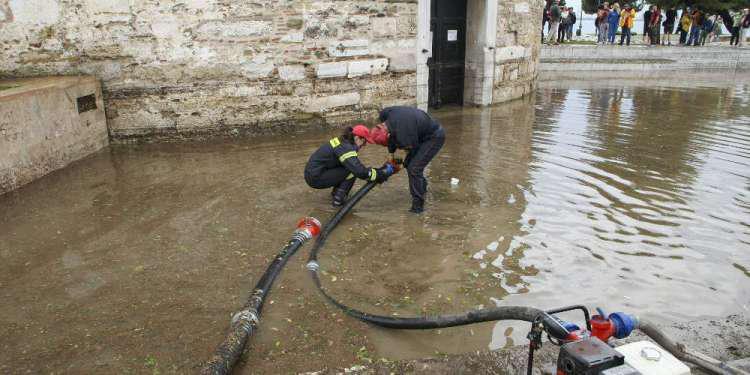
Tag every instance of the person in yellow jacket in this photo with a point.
(627, 20)
(685, 22)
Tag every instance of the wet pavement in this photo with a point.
(629, 196)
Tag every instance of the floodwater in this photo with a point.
(624, 195)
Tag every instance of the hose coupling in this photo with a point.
(313, 266)
(307, 228)
(250, 315)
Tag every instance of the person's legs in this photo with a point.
(570, 31)
(612, 33)
(552, 32)
(622, 34)
(602, 33)
(735, 36)
(339, 178)
(627, 40)
(415, 168)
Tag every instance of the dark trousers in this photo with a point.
(695, 32)
(625, 35)
(561, 31)
(735, 36)
(417, 160)
(683, 36)
(655, 34)
(328, 178)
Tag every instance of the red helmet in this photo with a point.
(362, 131)
(379, 135)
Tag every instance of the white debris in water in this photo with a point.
(479, 255)
(501, 239)
(483, 265)
(496, 301)
(498, 262)
(497, 275)
(511, 199)
(454, 181)
(353, 369)
(479, 307)
(493, 246)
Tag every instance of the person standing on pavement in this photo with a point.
(562, 29)
(627, 20)
(413, 130)
(571, 21)
(554, 22)
(745, 29)
(655, 26)
(602, 15)
(685, 22)
(669, 25)
(647, 25)
(336, 164)
(614, 21)
(695, 28)
(706, 29)
(735, 29)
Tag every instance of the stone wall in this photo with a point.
(47, 123)
(633, 62)
(187, 67)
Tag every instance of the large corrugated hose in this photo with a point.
(245, 322)
(524, 313)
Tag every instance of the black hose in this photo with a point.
(524, 313)
(245, 322)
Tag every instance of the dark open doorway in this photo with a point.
(447, 64)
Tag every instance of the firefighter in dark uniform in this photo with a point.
(336, 164)
(422, 137)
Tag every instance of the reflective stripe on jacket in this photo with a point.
(334, 154)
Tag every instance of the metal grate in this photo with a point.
(86, 103)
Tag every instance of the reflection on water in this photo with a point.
(627, 196)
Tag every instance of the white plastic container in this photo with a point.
(650, 359)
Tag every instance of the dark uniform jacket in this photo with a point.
(409, 127)
(335, 154)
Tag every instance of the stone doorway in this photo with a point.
(479, 52)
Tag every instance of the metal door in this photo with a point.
(448, 26)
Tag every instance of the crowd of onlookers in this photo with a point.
(694, 26)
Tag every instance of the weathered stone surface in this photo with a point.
(349, 48)
(365, 67)
(329, 70)
(164, 63)
(521, 7)
(40, 12)
(44, 126)
(384, 26)
(292, 72)
(511, 53)
(240, 30)
(294, 37)
(329, 102)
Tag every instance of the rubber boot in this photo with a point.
(341, 191)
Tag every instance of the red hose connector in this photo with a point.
(308, 228)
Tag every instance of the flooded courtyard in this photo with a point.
(629, 196)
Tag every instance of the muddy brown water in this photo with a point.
(628, 196)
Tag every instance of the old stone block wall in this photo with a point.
(518, 48)
(186, 67)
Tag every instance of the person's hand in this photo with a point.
(395, 164)
(383, 173)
